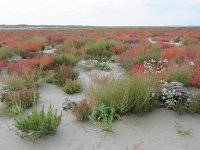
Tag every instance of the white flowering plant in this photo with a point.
(155, 67)
(173, 94)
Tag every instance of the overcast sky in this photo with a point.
(100, 12)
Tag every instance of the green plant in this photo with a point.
(128, 94)
(98, 50)
(65, 72)
(33, 78)
(152, 53)
(104, 116)
(62, 47)
(7, 52)
(194, 106)
(180, 108)
(182, 131)
(72, 86)
(38, 123)
(82, 110)
(180, 74)
(14, 83)
(16, 102)
(65, 59)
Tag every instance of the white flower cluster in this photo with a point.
(191, 63)
(155, 67)
(173, 93)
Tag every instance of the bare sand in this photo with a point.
(153, 131)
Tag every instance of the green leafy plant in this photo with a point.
(82, 110)
(38, 123)
(104, 116)
(72, 86)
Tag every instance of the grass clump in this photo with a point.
(65, 59)
(82, 110)
(15, 102)
(72, 86)
(38, 123)
(104, 117)
(180, 74)
(7, 52)
(97, 50)
(194, 106)
(129, 94)
(14, 83)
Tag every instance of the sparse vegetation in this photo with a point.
(38, 123)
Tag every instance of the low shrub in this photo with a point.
(176, 54)
(16, 102)
(38, 123)
(174, 96)
(65, 59)
(72, 86)
(152, 53)
(97, 50)
(14, 83)
(7, 52)
(128, 94)
(80, 41)
(63, 47)
(137, 54)
(104, 116)
(117, 47)
(65, 72)
(82, 110)
(180, 74)
(34, 78)
(19, 66)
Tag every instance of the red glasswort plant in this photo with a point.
(195, 79)
(82, 111)
(138, 69)
(173, 53)
(29, 64)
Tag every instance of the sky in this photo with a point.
(101, 12)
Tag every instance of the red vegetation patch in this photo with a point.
(138, 69)
(19, 66)
(195, 79)
(175, 53)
